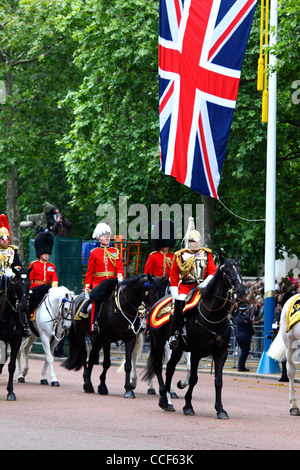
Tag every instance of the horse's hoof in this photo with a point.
(21, 380)
(174, 395)
(55, 383)
(179, 385)
(129, 394)
(222, 415)
(294, 412)
(102, 390)
(151, 391)
(164, 405)
(11, 397)
(88, 388)
(44, 382)
(188, 411)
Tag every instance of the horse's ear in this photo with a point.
(237, 258)
(221, 258)
(150, 278)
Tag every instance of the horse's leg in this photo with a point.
(15, 346)
(291, 371)
(88, 369)
(102, 388)
(170, 369)
(168, 353)
(129, 393)
(49, 360)
(188, 409)
(184, 383)
(219, 364)
(24, 350)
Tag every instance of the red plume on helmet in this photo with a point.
(4, 226)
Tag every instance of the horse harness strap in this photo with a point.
(125, 315)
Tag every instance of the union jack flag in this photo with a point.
(202, 45)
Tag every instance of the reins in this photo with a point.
(119, 290)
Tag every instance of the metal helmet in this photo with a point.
(4, 233)
(194, 236)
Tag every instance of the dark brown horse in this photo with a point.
(14, 301)
(207, 333)
(119, 320)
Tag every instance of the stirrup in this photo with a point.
(173, 342)
(95, 328)
(26, 333)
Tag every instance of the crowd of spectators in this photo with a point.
(250, 314)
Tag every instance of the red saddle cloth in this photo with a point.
(163, 309)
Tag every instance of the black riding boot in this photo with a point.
(176, 324)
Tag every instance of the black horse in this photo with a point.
(207, 333)
(119, 320)
(14, 302)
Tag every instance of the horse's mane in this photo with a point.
(133, 280)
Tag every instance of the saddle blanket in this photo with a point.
(293, 313)
(162, 311)
(33, 315)
(79, 315)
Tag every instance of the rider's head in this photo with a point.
(4, 237)
(194, 240)
(102, 232)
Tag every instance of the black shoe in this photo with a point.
(283, 379)
(243, 370)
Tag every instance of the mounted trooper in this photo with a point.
(192, 266)
(9, 258)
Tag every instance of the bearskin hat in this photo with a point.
(43, 243)
(163, 234)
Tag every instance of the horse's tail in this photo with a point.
(137, 352)
(74, 360)
(277, 349)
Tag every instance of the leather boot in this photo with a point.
(176, 324)
(95, 326)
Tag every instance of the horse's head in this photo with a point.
(154, 288)
(19, 288)
(66, 309)
(232, 275)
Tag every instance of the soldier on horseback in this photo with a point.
(104, 263)
(192, 266)
(8, 258)
(159, 262)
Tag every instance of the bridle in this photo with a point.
(230, 297)
(19, 300)
(139, 312)
(61, 317)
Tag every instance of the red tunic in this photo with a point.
(159, 263)
(43, 272)
(175, 278)
(104, 263)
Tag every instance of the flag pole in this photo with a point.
(268, 365)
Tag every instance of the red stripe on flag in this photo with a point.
(205, 154)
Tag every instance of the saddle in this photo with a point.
(293, 313)
(163, 309)
(81, 315)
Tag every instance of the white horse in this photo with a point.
(284, 347)
(52, 320)
(136, 354)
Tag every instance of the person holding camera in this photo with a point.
(62, 226)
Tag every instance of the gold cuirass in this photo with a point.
(6, 258)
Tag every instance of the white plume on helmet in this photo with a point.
(192, 235)
(101, 229)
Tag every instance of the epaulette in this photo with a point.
(14, 247)
(208, 250)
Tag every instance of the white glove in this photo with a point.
(174, 292)
(8, 273)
